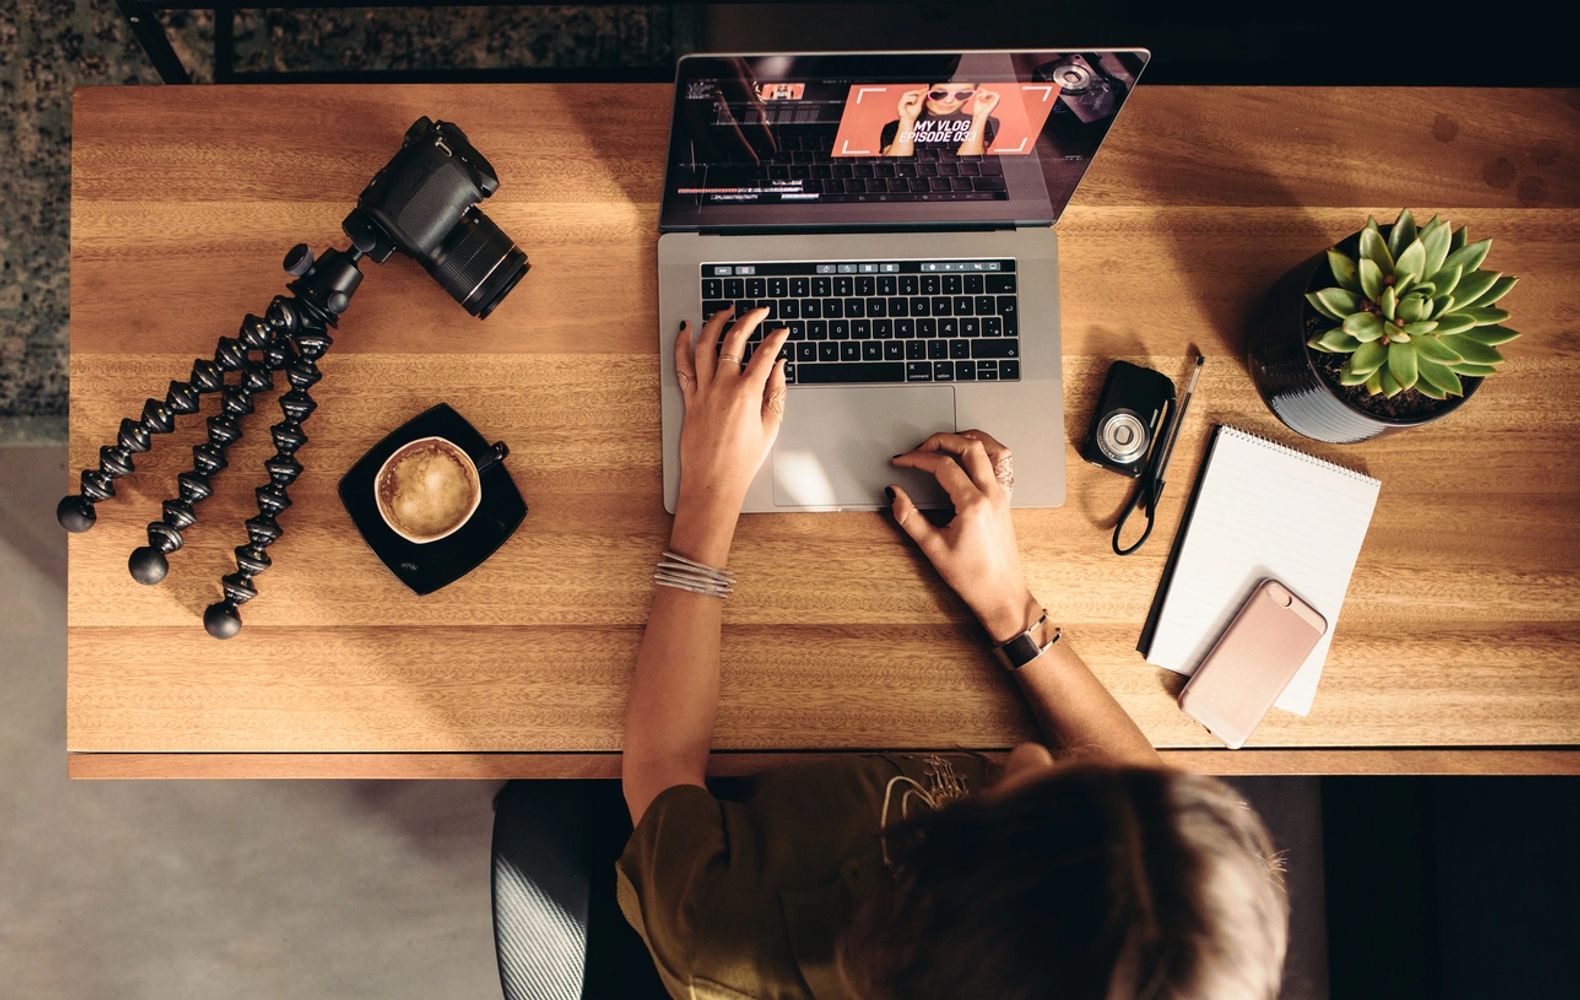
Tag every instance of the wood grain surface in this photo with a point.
(1460, 629)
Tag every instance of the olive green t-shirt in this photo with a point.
(747, 896)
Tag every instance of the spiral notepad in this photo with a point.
(1260, 510)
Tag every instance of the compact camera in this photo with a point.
(1129, 418)
(424, 204)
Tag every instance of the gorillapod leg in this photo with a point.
(76, 513)
(148, 564)
(299, 337)
(304, 342)
(292, 335)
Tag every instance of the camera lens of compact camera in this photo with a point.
(1122, 437)
(478, 264)
(1073, 76)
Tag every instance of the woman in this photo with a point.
(934, 118)
(906, 876)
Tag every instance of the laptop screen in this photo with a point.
(887, 139)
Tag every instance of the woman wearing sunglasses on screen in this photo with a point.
(933, 118)
(1096, 873)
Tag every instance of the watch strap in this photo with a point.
(1017, 651)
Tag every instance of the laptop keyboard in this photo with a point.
(805, 165)
(880, 321)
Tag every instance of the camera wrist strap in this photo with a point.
(1145, 495)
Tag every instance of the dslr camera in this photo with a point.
(424, 204)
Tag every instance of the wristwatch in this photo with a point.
(1020, 650)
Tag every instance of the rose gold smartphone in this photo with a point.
(1252, 663)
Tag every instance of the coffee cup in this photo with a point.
(428, 488)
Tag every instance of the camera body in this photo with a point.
(424, 204)
(1083, 88)
(1128, 419)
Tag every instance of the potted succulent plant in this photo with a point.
(1396, 326)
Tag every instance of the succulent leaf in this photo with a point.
(1413, 308)
(1499, 289)
(1473, 352)
(1368, 357)
(1388, 302)
(1420, 328)
(1322, 308)
(1374, 248)
(1347, 376)
(1473, 286)
(1402, 234)
(1459, 239)
(1343, 271)
(1435, 236)
(1338, 342)
(1363, 326)
(1491, 336)
(1453, 323)
(1469, 257)
(1370, 276)
(1440, 377)
(1374, 382)
(1466, 369)
(1441, 305)
(1433, 349)
(1390, 385)
(1445, 281)
(1426, 388)
(1412, 262)
(1484, 316)
(1403, 364)
(1339, 302)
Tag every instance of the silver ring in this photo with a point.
(685, 376)
(1004, 472)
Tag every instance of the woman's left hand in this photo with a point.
(733, 410)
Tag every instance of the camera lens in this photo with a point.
(1122, 437)
(478, 264)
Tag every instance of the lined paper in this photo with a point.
(1263, 510)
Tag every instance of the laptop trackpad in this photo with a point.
(835, 445)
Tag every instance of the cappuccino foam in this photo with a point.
(427, 489)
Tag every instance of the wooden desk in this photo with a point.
(1457, 649)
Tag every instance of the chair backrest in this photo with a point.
(541, 883)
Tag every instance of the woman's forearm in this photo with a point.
(675, 687)
(1077, 713)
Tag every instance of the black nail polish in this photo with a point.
(897, 454)
(888, 491)
(682, 324)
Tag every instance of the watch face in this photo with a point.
(1027, 646)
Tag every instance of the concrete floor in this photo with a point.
(175, 890)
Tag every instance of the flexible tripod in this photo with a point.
(291, 336)
(423, 203)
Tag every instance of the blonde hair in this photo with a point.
(1093, 882)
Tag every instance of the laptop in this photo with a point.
(895, 211)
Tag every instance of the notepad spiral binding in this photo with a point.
(1294, 453)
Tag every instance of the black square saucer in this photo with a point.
(425, 568)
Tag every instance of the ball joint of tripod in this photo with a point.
(75, 514)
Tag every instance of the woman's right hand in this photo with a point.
(910, 106)
(975, 552)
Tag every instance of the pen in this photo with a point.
(1155, 489)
